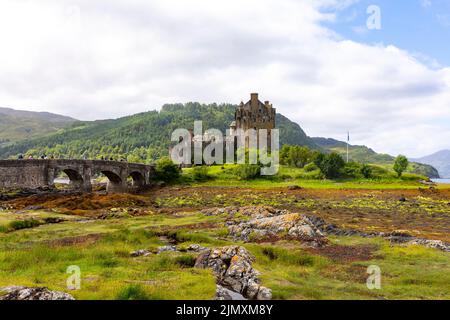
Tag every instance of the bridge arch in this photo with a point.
(76, 179)
(138, 179)
(115, 181)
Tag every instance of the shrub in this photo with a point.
(200, 173)
(310, 167)
(166, 170)
(23, 224)
(247, 171)
(366, 171)
(352, 170)
(133, 292)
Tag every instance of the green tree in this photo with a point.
(400, 165)
(366, 171)
(295, 156)
(330, 165)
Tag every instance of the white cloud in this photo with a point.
(425, 3)
(105, 59)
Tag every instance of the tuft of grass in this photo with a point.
(284, 256)
(133, 292)
(185, 236)
(185, 261)
(23, 224)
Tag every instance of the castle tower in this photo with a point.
(254, 115)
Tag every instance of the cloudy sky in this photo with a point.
(316, 60)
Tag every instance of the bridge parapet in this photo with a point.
(34, 173)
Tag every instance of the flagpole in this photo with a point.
(348, 141)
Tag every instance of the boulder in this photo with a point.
(140, 253)
(232, 266)
(436, 244)
(291, 226)
(222, 293)
(249, 211)
(195, 248)
(167, 248)
(26, 293)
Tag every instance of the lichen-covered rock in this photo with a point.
(25, 293)
(222, 293)
(141, 253)
(195, 248)
(233, 269)
(436, 244)
(289, 225)
(167, 248)
(250, 211)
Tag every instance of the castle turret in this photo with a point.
(254, 115)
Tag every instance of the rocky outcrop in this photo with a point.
(233, 269)
(169, 248)
(268, 225)
(435, 244)
(249, 211)
(262, 223)
(25, 293)
(141, 253)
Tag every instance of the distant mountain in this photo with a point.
(440, 160)
(141, 136)
(16, 125)
(366, 155)
(356, 153)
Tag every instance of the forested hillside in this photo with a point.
(142, 137)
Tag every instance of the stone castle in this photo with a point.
(254, 115)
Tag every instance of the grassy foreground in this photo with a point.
(40, 256)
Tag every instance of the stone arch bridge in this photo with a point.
(42, 173)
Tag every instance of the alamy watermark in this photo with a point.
(251, 146)
(74, 280)
(374, 280)
(374, 20)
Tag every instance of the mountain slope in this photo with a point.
(141, 136)
(356, 153)
(440, 160)
(18, 125)
(366, 155)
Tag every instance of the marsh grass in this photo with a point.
(133, 292)
(101, 248)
